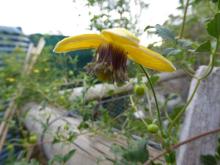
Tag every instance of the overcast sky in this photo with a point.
(62, 16)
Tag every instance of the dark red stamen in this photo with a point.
(110, 62)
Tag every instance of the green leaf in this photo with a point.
(213, 27)
(196, 1)
(184, 43)
(137, 152)
(171, 52)
(175, 111)
(68, 155)
(83, 125)
(56, 158)
(170, 158)
(218, 4)
(208, 160)
(105, 117)
(154, 79)
(204, 47)
(165, 33)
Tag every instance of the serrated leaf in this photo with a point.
(137, 152)
(164, 33)
(204, 47)
(208, 160)
(213, 27)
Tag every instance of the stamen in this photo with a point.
(109, 63)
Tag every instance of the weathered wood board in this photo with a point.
(203, 114)
(176, 82)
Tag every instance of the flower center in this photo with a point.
(109, 63)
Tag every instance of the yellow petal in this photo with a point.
(84, 41)
(149, 58)
(120, 36)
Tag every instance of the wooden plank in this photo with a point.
(203, 114)
(85, 143)
(90, 148)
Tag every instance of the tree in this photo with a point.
(116, 13)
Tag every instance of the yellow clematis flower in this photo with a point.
(113, 47)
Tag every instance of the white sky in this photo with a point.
(62, 16)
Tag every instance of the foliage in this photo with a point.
(43, 86)
(62, 159)
(213, 27)
(117, 13)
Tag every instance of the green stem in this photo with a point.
(155, 98)
(184, 19)
(149, 105)
(207, 73)
(165, 111)
(134, 106)
(186, 105)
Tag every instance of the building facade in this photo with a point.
(13, 39)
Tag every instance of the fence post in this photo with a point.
(203, 114)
